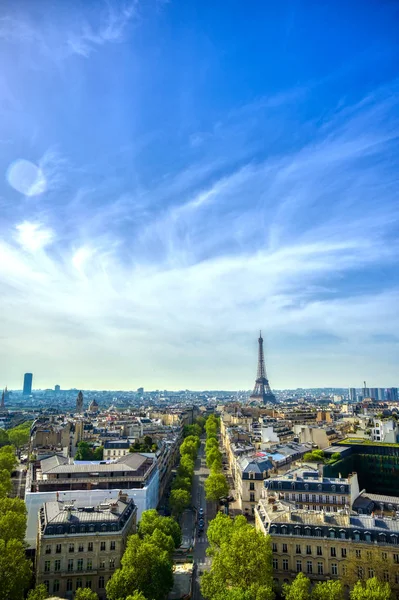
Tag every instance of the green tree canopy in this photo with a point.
(214, 459)
(86, 451)
(8, 460)
(12, 519)
(4, 440)
(237, 557)
(15, 570)
(145, 568)
(336, 456)
(179, 500)
(189, 448)
(372, 589)
(85, 594)
(5, 483)
(38, 593)
(299, 589)
(186, 467)
(151, 520)
(183, 483)
(211, 443)
(136, 596)
(216, 487)
(221, 528)
(328, 590)
(194, 429)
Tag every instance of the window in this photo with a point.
(327, 498)
(79, 583)
(342, 535)
(309, 567)
(384, 556)
(58, 549)
(47, 566)
(318, 532)
(112, 563)
(397, 578)
(57, 565)
(275, 563)
(298, 549)
(333, 488)
(56, 585)
(80, 564)
(358, 553)
(308, 549)
(112, 546)
(71, 548)
(343, 552)
(90, 547)
(102, 546)
(102, 564)
(89, 565)
(70, 565)
(251, 496)
(81, 548)
(274, 547)
(252, 486)
(319, 551)
(371, 573)
(320, 568)
(48, 549)
(298, 566)
(334, 569)
(333, 552)
(360, 572)
(344, 570)
(47, 584)
(396, 558)
(334, 499)
(285, 564)
(69, 585)
(332, 533)
(101, 582)
(386, 575)
(356, 536)
(88, 583)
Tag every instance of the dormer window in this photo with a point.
(342, 488)
(306, 486)
(333, 488)
(320, 487)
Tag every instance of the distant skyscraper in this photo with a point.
(352, 394)
(374, 393)
(79, 403)
(381, 393)
(27, 384)
(262, 389)
(392, 393)
(3, 395)
(57, 388)
(140, 391)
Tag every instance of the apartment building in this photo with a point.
(115, 448)
(305, 488)
(327, 546)
(322, 437)
(252, 472)
(81, 546)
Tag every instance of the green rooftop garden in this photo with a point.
(362, 442)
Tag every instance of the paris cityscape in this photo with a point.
(199, 292)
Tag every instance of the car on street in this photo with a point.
(201, 512)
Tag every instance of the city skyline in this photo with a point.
(177, 176)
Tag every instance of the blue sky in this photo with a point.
(178, 175)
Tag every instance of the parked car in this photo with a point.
(201, 512)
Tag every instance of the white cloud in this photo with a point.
(33, 236)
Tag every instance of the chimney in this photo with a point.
(114, 507)
(123, 497)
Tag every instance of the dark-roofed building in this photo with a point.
(252, 473)
(81, 546)
(115, 448)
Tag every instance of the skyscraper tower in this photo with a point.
(79, 403)
(262, 389)
(3, 395)
(27, 384)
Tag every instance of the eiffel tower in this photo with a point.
(262, 389)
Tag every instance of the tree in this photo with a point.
(136, 596)
(8, 460)
(5, 483)
(85, 594)
(189, 448)
(145, 568)
(163, 541)
(372, 589)
(336, 456)
(148, 441)
(151, 520)
(194, 429)
(221, 528)
(179, 500)
(211, 443)
(18, 437)
(299, 589)
(183, 483)
(186, 467)
(216, 486)
(38, 593)
(328, 590)
(236, 562)
(214, 459)
(4, 440)
(15, 570)
(12, 519)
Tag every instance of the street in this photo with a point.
(201, 560)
